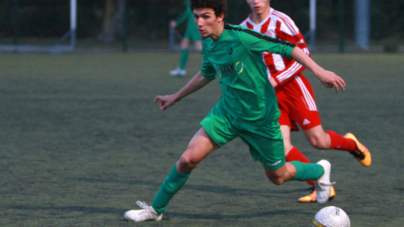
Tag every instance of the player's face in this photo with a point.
(258, 6)
(209, 25)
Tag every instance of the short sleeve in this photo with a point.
(258, 42)
(207, 70)
(185, 14)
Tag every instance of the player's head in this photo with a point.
(209, 15)
(259, 7)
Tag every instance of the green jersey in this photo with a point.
(188, 16)
(236, 57)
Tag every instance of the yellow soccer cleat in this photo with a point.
(312, 198)
(361, 153)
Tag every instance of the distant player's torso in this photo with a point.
(279, 25)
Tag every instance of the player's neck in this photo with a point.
(258, 18)
(218, 31)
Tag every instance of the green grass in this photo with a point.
(82, 140)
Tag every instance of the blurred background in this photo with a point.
(82, 140)
(341, 25)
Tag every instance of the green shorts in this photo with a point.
(264, 141)
(192, 33)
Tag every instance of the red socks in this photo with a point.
(337, 142)
(295, 155)
(341, 143)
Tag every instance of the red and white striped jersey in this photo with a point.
(279, 25)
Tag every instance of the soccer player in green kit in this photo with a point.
(247, 108)
(191, 34)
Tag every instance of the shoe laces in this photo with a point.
(146, 209)
(358, 154)
(142, 205)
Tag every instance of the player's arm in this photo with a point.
(329, 79)
(180, 19)
(287, 30)
(257, 42)
(182, 16)
(197, 82)
(292, 68)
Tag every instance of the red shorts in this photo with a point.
(297, 104)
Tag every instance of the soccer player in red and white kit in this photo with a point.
(295, 95)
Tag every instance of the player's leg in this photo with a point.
(295, 170)
(287, 143)
(321, 139)
(291, 152)
(196, 37)
(285, 105)
(180, 71)
(305, 113)
(184, 52)
(312, 197)
(302, 109)
(266, 145)
(216, 131)
(198, 149)
(191, 34)
(198, 45)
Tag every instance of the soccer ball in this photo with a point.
(331, 217)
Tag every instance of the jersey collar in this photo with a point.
(263, 22)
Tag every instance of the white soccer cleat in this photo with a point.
(147, 213)
(178, 72)
(323, 184)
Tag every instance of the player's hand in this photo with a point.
(273, 81)
(165, 101)
(331, 80)
(173, 24)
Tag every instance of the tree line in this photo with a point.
(148, 19)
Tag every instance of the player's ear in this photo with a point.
(220, 18)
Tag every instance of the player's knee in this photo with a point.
(276, 178)
(277, 181)
(187, 164)
(318, 142)
(185, 44)
(198, 46)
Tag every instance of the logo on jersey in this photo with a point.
(274, 164)
(230, 51)
(237, 67)
(227, 68)
(306, 122)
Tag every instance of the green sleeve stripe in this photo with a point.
(259, 35)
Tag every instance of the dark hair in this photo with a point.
(218, 6)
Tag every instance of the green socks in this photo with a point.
(175, 180)
(171, 185)
(184, 58)
(307, 171)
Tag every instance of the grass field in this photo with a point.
(82, 140)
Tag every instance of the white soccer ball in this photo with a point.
(331, 217)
